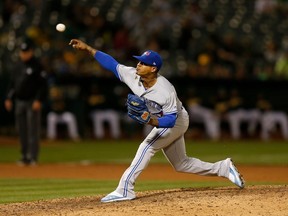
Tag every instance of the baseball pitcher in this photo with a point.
(155, 102)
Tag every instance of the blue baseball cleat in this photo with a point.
(115, 197)
(235, 176)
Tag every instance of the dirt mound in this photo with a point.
(253, 200)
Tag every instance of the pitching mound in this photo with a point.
(253, 200)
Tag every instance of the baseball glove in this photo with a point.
(137, 109)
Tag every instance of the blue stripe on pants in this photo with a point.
(140, 160)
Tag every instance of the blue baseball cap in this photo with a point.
(151, 58)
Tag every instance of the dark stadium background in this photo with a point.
(188, 34)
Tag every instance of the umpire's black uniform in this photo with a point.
(28, 88)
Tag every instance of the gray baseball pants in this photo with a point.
(171, 142)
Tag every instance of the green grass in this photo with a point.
(243, 152)
(19, 190)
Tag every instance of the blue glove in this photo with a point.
(137, 109)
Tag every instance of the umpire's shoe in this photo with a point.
(26, 162)
(23, 162)
(115, 197)
(235, 176)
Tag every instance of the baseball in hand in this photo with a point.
(60, 27)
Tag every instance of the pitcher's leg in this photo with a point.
(139, 163)
(176, 155)
(154, 142)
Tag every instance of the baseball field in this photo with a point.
(72, 177)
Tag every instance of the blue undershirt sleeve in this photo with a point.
(167, 121)
(107, 62)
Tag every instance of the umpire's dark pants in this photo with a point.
(28, 124)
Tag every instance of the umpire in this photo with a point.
(28, 88)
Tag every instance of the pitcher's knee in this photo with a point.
(181, 166)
